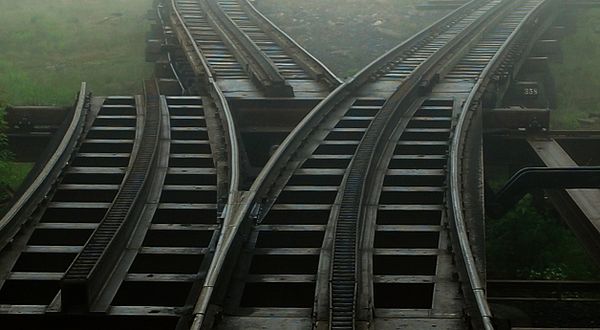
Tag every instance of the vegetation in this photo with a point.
(577, 88)
(49, 47)
(533, 243)
(528, 243)
(11, 173)
(11, 176)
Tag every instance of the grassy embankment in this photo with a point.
(578, 77)
(49, 47)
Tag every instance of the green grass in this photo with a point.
(13, 173)
(11, 176)
(578, 77)
(49, 47)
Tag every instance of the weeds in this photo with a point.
(531, 244)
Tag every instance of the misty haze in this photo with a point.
(316, 164)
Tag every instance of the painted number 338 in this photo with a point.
(530, 91)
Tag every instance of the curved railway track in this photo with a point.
(39, 186)
(358, 220)
(136, 210)
(347, 226)
(76, 204)
(140, 206)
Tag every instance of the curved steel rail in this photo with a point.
(234, 176)
(169, 56)
(248, 211)
(343, 264)
(84, 279)
(476, 285)
(34, 195)
(299, 133)
(529, 178)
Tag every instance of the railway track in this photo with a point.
(77, 204)
(42, 176)
(348, 224)
(358, 220)
(244, 51)
(179, 222)
(136, 209)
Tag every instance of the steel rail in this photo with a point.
(248, 209)
(35, 194)
(473, 36)
(316, 115)
(388, 57)
(144, 210)
(475, 284)
(529, 178)
(260, 66)
(169, 57)
(222, 104)
(317, 69)
(353, 190)
(85, 278)
(181, 86)
(229, 221)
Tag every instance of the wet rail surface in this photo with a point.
(161, 261)
(349, 225)
(81, 200)
(179, 222)
(247, 54)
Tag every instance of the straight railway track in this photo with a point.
(245, 52)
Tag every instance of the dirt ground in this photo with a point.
(346, 35)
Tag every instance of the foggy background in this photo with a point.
(47, 47)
